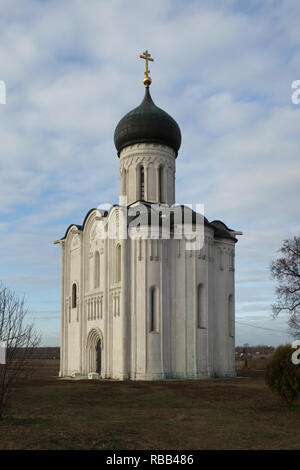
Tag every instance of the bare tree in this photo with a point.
(286, 270)
(21, 339)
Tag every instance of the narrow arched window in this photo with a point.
(118, 263)
(154, 309)
(201, 320)
(124, 178)
(97, 270)
(74, 295)
(161, 196)
(142, 183)
(230, 315)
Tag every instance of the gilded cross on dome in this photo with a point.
(147, 80)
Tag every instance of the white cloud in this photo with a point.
(222, 69)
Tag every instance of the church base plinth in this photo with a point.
(171, 376)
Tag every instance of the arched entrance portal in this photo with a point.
(94, 351)
(98, 349)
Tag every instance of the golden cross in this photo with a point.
(147, 57)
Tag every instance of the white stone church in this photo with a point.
(136, 303)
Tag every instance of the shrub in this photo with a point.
(282, 376)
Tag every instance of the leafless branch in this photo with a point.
(286, 270)
(21, 339)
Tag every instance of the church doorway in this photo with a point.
(98, 352)
(94, 356)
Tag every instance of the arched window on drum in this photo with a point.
(142, 183)
(161, 184)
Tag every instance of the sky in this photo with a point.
(222, 69)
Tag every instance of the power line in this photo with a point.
(261, 327)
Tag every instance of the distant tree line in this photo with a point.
(251, 350)
(40, 353)
(48, 352)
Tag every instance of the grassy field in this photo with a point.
(241, 413)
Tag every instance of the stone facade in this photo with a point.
(142, 308)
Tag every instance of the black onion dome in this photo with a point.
(147, 124)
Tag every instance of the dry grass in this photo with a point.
(241, 413)
(257, 363)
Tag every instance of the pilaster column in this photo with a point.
(63, 311)
(124, 308)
